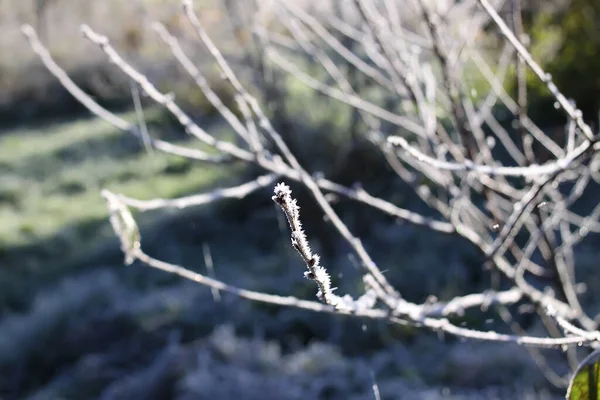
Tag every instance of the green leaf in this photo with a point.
(585, 382)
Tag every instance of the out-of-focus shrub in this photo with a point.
(565, 40)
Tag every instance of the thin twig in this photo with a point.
(236, 192)
(469, 166)
(111, 118)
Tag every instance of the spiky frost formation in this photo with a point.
(289, 205)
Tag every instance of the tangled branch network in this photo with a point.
(427, 125)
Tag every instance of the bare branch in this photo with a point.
(103, 113)
(236, 192)
(202, 83)
(469, 166)
(163, 99)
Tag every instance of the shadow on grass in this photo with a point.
(172, 235)
(29, 267)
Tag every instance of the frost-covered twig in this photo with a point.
(431, 316)
(316, 272)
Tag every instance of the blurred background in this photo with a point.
(75, 323)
